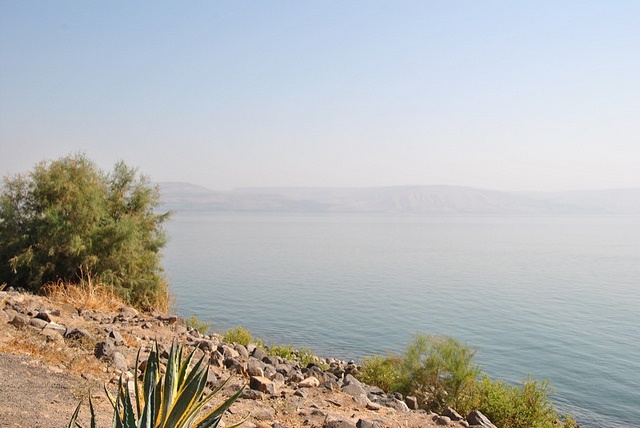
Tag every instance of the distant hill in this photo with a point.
(398, 199)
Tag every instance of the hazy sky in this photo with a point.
(540, 95)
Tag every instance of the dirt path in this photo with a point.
(34, 396)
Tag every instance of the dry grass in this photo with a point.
(86, 295)
(76, 360)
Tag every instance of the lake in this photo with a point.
(554, 297)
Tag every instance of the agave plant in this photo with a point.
(173, 400)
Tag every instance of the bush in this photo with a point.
(238, 335)
(200, 326)
(383, 372)
(440, 371)
(67, 219)
(526, 405)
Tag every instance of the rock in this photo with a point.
(241, 350)
(412, 403)
(42, 315)
(354, 390)
(128, 312)
(366, 424)
(254, 367)
(337, 422)
(119, 361)
(262, 384)
(397, 404)
(452, 414)
(443, 420)
(252, 394)
(118, 340)
(301, 393)
(19, 321)
(205, 345)
(104, 349)
(62, 330)
(38, 323)
(477, 418)
(272, 360)
(373, 406)
(310, 382)
(78, 334)
(258, 354)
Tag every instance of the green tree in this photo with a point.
(67, 218)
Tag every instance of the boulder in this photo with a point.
(412, 403)
(337, 422)
(452, 414)
(478, 419)
(310, 382)
(262, 384)
(443, 420)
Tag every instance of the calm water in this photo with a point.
(557, 298)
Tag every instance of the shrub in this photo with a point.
(238, 335)
(202, 327)
(526, 405)
(382, 371)
(440, 371)
(173, 399)
(67, 218)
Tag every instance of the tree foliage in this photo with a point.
(67, 218)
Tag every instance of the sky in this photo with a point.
(535, 96)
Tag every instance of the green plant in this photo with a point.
(239, 335)
(173, 400)
(382, 371)
(440, 371)
(67, 219)
(526, 405)
(202, 327)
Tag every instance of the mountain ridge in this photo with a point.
(410, 199)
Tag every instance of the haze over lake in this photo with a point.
(554, 296)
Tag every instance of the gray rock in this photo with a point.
(38, 323)
(366, 424)
(354, 389)
(373, 406)
(241, 350)
(205, 345)
(271, 360)
(118, 340)
(62, 330)
(79, 334)
(104, 349)
(252, 394)
(477, 418)
(443, 420)
(119, 361)
(452, 414)
(337, 422)
(301, 393)
(42, 315)
(254, 367)
(258, 354)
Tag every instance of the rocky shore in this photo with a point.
(53, 354)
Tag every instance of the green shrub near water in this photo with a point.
(200, 326)
(440, 371)
(67, 219)
(239, 335)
